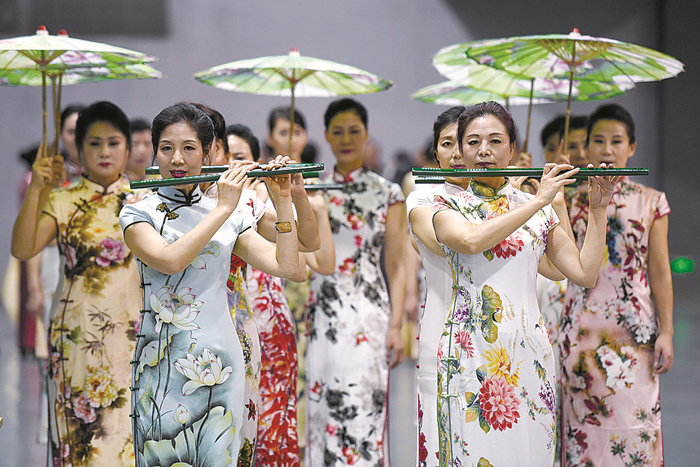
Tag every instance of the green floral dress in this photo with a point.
(92, 330)
(189, 373)
(495, 375)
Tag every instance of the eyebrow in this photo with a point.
(490, 134)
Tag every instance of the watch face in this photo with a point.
(283, 227)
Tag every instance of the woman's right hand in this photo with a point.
(46, 171)
(554, 177)
(231, 183)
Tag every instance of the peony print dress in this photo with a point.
(348, 320)
(496, 376)
(610, 394)
(188, 368)
(439, 290)
(91, 334)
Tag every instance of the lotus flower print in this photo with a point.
(181, 414)
(205, 370)
(179, 309)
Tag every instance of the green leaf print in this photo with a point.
(481, 374)
(491, 314)
(484, 463)
(483, 423)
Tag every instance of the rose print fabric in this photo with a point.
(439, 290)
(91, 334)
(610, 393)
(495, 371)
(188, 368)
(348, 321)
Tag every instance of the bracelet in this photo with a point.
(283, 227)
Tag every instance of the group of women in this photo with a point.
(173, 343)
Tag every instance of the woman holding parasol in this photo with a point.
(91, 335)
(495, 366)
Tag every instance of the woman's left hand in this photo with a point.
(394, 347)
(600, 189)
(278, 185)
(663, 353)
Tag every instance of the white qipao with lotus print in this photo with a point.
(188, 369)
(496, 376)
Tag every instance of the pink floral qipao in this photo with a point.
(610, 400)
(496, 376)
(348, 320)
(92, 330)
(189, 374)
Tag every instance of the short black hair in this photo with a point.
(612, 112)
(68, 111)
(246, 134)
(138, 125)
(284, 113)
(553, 127)
(481, 110)
(446, 118)
(344, 105)
(103, 111)
(218, 120)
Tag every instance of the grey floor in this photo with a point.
(680, 392)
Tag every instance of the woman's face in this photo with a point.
(68, 138)
(239, 150)
(348, 138)
(448, 155)
(180, 153)
(609, 143)
(279, 139)
(105, 153)
(486, 145)
(576, 147)
(141, 152)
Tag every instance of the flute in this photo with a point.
(431, 175)
(212, 173)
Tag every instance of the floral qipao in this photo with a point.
(495, 366)
(92, 330)
(610, 393)
(348, 322)
(188, 368)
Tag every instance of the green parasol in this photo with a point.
(43, 57)
(453, 63)
(292, 75)
(574, 57)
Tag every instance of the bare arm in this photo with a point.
(147, 244)
(662, 290)
(457, 233)
(421, 219)
(323, 259)
(33, 229)
(396, 272)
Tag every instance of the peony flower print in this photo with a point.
(99, 388)
(464, 339)
(113, 251)
(499, 405)
(205, 370)
(83, 410)
(179, 309)
(510, 246)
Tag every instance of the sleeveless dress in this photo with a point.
(438, 277)
(496, 380)
(188, 369)
(349, 317)
(611, 408)
(91, 334)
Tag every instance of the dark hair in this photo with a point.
(284, 113)
(188, 114)
(68, 111)
(579, 122)
(481, 110)
(309, 154)
(344, 105)
(246, 134)
(138, 125)
(446, 118)
(555, 126)
(102, 111)
(29, 155)
(612, 112)
(219, 123)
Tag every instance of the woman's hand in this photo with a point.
(231, 183)
(554, 177)
(46, 171)
(600, 189)
(663, 353)
(394, 347)
(278, 185)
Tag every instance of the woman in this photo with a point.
(354, 332)
(616, 338)
(91, 333)
(188, 373)
(495, 366)
(438, 278)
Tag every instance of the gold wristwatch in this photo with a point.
(283, 227)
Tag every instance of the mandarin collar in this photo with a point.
(451, 188)
(173, 194)
(484, 191)
(116, 187)
(350, 177)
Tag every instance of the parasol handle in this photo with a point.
(529, 114)
(568, 100)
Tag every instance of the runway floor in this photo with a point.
(680, 393)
